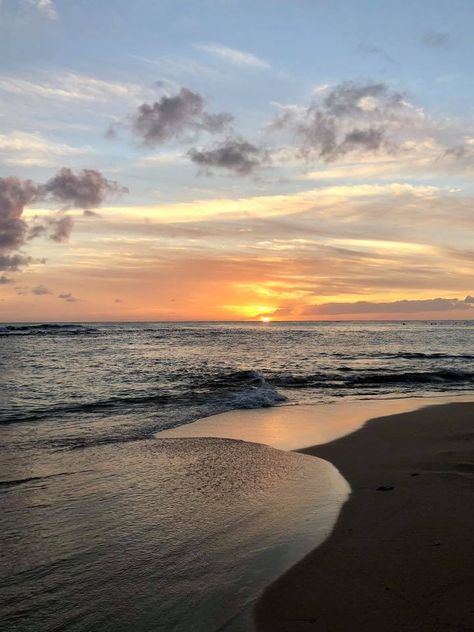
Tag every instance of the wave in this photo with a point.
(228, 391)
(6, 484)
(46, 329)
(405, 355)
(246, 389)
(417, 377)
(95, 406)
(372, 377)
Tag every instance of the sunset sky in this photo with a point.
(234, 159)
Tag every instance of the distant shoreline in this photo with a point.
(399, 556)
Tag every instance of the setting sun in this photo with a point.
(265, 319)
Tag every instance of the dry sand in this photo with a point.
(401, 557)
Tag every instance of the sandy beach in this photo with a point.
(401, 554)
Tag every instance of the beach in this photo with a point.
(154, 474)
(401, 555)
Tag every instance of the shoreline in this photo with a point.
(298, 426)
(399, 556)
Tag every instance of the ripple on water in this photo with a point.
(172, 534)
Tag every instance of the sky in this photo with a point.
(235, 159)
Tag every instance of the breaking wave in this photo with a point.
(212, 395)
(46, 329)
(345, 378)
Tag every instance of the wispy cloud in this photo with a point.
(234, 56)
(46, 8)
(177, 67)
(33, 149)
(377, 51)
(68, 87)
(436, 39)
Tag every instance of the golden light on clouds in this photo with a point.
(251, 311)
(274, 256)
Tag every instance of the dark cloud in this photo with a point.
(377, 51)
(350, 118)
(5, 280)
(13, 262)
(347, 99)
(15, 194)
(462, 154)
(40, 290)
(111, 132)
(459, 158)
(458, 152)
(234, 154)
(173, 116)
(35, 230)
(369, 139)
(61, 228)
(436, 39)
(395, 307)
(86, 189)
(68, 297)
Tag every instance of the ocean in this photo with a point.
(72, 385)
(106, 526)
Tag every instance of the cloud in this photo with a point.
(176, 67)
(460, 156)
(46, 8)
(32, 149)
(233, 154)
(469, 300)
(15, 194)
(351, 117)
(13, 262)
(436, 39)
(69, 87)
(111, 132)
(62, 227)
(395, 307)
(378, 51)
(234, 56)
(40, 290)
(88, 213)
(172, 117)
(68, 297)
(84, 190)
(5, 280)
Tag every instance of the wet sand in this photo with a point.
(401, 554)
(173, 535)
